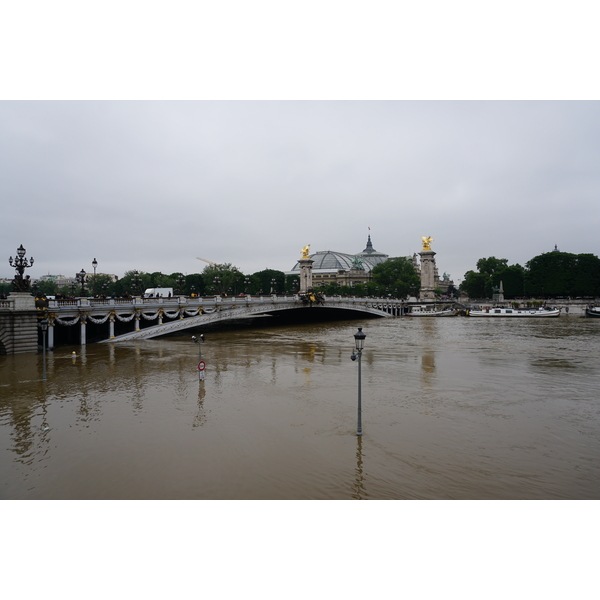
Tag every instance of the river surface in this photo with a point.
(452, 408)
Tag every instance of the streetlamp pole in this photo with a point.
(201, 365)
(94, 264)
(359, 339)
(81, 279)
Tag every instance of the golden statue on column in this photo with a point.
(305, 251)
(427, 243)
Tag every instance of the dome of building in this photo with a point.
(371, 256)
(328, 261)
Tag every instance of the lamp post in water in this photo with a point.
(359, 339)
(201, 364)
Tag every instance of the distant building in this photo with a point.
(64, 281)
(341, 268)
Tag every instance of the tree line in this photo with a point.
(548, 275)
(396, 278)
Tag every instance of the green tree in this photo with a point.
(489, 274)
(264, 278)
(587, 276)
(194, 283)
(513, 281)
(292, 284)
(474, 284)
(124, 286)
(222, 278)
(95, 284)
(47, 287)
(397, 274)
(562, 274)
(491, 265)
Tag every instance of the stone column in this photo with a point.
(82, 331)
(305, 274)
(111, 326)
(427, 275)
(50, 333)
(20, 326)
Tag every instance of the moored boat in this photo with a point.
(421, 311)
(515, 312)
(592, 311)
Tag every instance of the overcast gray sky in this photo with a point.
(287, 161)
(151, 185)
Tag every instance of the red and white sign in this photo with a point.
(201, 365)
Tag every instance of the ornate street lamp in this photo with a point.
(136, 280)
(94, 264)
(217, 285)
(246, 284)
(235, 272)
(20, 283)
(180, 282)
(359, 339)
(81, 279)
(273, 282)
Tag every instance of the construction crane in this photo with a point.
(210, 262)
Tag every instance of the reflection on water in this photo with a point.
(451, 408)
(359, 492)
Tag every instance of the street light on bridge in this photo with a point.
(94, 264)
(180, 282)
(81, 279)
(136, 281)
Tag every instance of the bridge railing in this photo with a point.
(7, 304)
(207, 301)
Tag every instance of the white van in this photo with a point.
(158, 293)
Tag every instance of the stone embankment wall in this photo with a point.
(18, 325)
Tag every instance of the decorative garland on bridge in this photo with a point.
(63, 322)
(152, 317)
(99, 321)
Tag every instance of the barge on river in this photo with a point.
(421, 311)
(515, 312)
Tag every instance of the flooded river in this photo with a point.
(453, 408)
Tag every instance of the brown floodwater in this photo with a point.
(453, 408)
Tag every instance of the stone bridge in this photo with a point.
(178, 314)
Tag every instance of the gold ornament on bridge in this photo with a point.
(427, 242)
(305, 251)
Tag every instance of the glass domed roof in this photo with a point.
(330, 261)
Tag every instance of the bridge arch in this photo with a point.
(236, 312)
